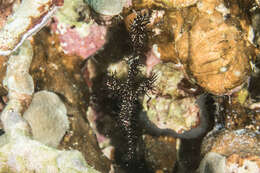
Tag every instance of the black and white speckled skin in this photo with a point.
(129, 90)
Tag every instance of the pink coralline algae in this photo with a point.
(73, 43)
(151, 61)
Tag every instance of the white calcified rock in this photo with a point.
(17, 78)
(107, 7)
(47, 116)
(22, 154)
(213, 163)
(217, 163)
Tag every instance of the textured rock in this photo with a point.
(61, 74)
(160, 160)
(78, 33)
(47, 117)
(212, 49)
(216, 163)
(17, 76)
(227, 64)
(107, 7)
(6, 8)
(239, 149)
(37, 157)
(169, 107)
(167, 4)
(226, 142)
(236, 163)
(213, 163)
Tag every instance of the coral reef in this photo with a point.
(17, 144)
(174, 108)
(126, 92)
(231, 151)
(22, 23)
(224, 49)
(129, 86)
(76, 29)
(61, 74)
(179, 111)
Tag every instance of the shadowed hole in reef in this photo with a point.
(189, 156)
(254, 83)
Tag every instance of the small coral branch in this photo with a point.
(26, 20)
